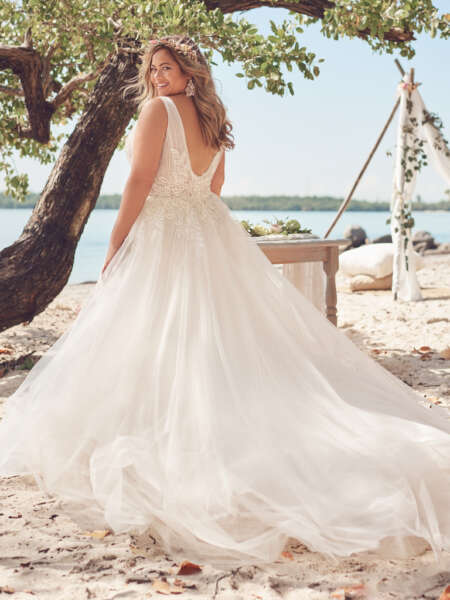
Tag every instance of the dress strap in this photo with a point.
(215, 161)
(174, 134)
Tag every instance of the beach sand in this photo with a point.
(43, 554)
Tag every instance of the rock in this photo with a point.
(383, 239)
(421, 248)
(423, 240)
(356, 234)
(440, 249)
(343, 248)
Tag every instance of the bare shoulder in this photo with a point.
(151, 125)
(153, 110)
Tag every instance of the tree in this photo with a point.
(69, 59)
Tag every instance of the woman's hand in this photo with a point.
(105, 265)
(109, 256)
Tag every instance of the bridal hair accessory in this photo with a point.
(178, 47)
(190, 88)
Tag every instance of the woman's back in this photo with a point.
(200, 155)
(187, 166)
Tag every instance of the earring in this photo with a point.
(190, 88)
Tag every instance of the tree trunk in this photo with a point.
(35, 268)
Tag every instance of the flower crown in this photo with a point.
(178, 47)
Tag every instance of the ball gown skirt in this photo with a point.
(199, 396)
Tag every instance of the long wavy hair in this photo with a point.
(215, 127)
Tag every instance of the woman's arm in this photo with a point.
(219, 176)
(147, 147)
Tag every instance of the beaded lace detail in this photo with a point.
(179, 198)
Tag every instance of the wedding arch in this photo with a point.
(419, 139)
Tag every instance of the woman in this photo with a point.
(199, 396)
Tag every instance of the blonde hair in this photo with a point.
(215, 127)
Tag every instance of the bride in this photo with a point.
(199, 396)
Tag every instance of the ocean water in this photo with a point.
(91, 250)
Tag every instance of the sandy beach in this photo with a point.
(44, 555)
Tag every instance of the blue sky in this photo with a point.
(316, 141)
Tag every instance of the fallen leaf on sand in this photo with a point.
(161, 586)
(5, 351)
(422, 350)
(357, 590)
(445, 594)
(99, 534)
(135, 549)
(188, 568)
(164, 587)
(445, 353)
(434, 400)
(287, 554)
(4, 589)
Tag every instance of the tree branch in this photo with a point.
(27, 64)
(310, 8)
(4, 89)
(48, 83)
(75, 83)
(34, 73)
(34, 69)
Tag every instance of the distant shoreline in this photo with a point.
(263, 203)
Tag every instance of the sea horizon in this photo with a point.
(92, 247)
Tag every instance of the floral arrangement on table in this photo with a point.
(278, 226)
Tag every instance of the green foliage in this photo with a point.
(406, 222)
(277, 226)
(27, 364)
(78, 37)
(375, 18)
(319, 203)
(303, 203)
(414, 156)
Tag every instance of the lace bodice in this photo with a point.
(178, 194)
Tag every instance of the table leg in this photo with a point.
(330, 266)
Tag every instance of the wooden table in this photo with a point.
(308, 250)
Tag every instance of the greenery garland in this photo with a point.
(414, 158)
(278, 226)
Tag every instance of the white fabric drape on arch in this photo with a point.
(412, 125)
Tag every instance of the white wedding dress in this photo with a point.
(199, 396)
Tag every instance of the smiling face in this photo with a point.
(165, 74)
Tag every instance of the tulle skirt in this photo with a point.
(199, 396)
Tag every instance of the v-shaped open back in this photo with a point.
(184, 139)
